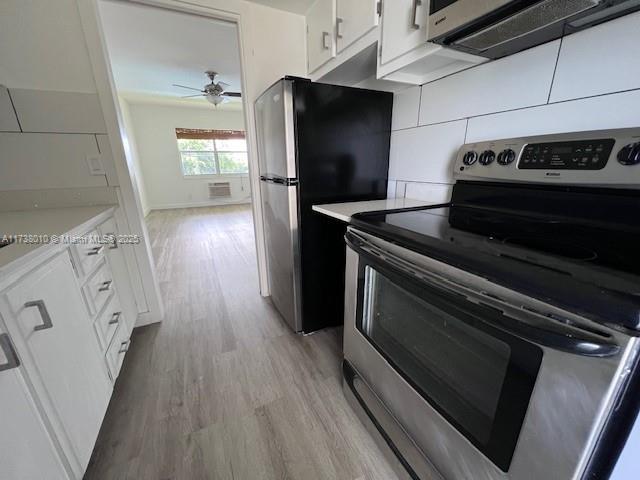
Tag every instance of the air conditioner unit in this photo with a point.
(219, 190)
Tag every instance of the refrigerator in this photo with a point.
(317, 143)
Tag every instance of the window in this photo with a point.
(212, 152)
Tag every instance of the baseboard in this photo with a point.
(170, 206)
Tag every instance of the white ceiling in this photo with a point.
(151, 49)
(295, 6)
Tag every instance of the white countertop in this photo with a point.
(344, 211)
(46, 221)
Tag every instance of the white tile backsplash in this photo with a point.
(47, 160)
(16, 200)
(599, 60)
(58, 112)
(405, 109)
(518, 81)
(107, 159)
(596, 86)
(433, 193)
(426, 154)
(8, 120)
(620, 110)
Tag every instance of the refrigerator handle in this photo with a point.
(278, 180)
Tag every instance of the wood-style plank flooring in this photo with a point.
(221, 389)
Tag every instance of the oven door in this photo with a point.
(458, 367)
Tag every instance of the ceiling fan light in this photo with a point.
(215, 99)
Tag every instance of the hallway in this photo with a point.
(222, 389)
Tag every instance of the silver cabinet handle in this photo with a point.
(124, 346)
(414, 18)
(95, 250)
(325, 41)
(105, 286)
(114, 244)
(339, 22)
(12, 357)
(115, 318)
(44, 314)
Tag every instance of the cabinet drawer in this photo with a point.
(107, 322)
(88, 255)
(98, 288)
(109, 228)
(116, 351)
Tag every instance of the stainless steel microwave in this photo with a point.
(496, 28)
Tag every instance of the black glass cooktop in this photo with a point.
(579, 246)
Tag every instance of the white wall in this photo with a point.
(154, 129)
(273, 44)
(131, 147)
(586, 81)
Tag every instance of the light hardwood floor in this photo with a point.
(222, 389)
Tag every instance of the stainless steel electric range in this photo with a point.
(496, 336)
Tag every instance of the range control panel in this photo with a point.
(580, 155)
(606, 157)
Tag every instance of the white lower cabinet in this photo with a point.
(120, 273)
(62, 351)
(27, 451)
(67, 331)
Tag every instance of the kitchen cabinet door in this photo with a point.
(354, 19)
(26, 449)
(62, 356)
(321, 45)
(404, 27)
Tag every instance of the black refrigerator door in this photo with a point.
(342, 148)
(342, 141)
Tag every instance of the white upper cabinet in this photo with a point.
(404, 27)
(405, 55)
(355, 18)
(321, 46)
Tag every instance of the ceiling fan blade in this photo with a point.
(190, 88)
(224, 85)
(231, 94)
(191, 96)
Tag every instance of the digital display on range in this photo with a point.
(437, 5)
(561, 150)
(575, 155)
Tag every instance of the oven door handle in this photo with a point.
(555, 334)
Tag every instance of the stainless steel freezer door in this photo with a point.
(274, 125)
(280, 211)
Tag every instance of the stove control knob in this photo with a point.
(487, 157)
(470, 158)
(506, 157)
(630, 154)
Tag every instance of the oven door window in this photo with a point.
(477, 376)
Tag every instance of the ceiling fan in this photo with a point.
(214, 92)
